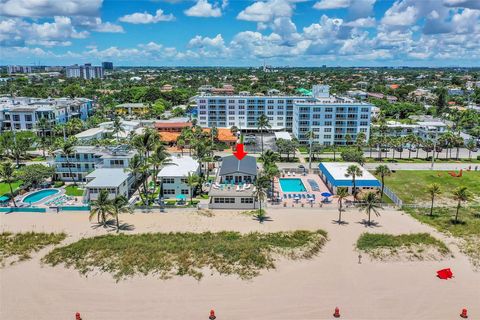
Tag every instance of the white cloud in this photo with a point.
(471, 4)
(49, 8)
(145, 17)
(400, 17)
(96, 24)
(265, 11)
(362, 23)
(204, 9)
(331, 4)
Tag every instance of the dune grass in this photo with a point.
(177, 254)
(16, 247)
(468, 228)
(371, 241)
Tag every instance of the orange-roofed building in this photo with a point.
(225, 135)
(394, 86)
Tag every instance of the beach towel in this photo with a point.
(445, 274)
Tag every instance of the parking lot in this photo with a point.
(268, 142)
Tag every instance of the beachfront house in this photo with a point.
(86, 159)
(115, 180)
(334, 174)
(234, 188)
(173, 178)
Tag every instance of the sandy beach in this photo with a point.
(295, 290)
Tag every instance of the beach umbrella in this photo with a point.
(326, 194)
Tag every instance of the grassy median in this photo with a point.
(178, 254)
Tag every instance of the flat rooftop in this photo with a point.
(181, 167)
(107, 178)
(335, 172)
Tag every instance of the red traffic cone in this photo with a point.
(464, 314)
(337, 313)
(77, 316)
(212, 315)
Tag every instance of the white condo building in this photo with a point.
(330, 117)
(86, 72)
(23, 113)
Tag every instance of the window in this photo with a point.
(328, 109)
(185, 191)
(328, 116)
(16, 117)
(183, 180)
(168, 191)
(224, 200)
(28, 117)
(246, 200)
(168, 180)
(364, 109)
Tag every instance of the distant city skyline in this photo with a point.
(430, 33)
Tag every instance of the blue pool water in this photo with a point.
(39, 195)
(292, 185)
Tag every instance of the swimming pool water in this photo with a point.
(292, 185)
(39, 195)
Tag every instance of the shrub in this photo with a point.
(58, 184)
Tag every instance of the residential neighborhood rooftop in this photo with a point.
(181, 167)
(107, 178)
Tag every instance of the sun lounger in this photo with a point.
(304, 196)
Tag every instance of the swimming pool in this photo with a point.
(39, 195)
(292, 185)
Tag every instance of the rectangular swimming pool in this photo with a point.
(292, 185)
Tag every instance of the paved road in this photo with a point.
(397, 166)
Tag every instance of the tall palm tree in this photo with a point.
(260, 194)
(117, 127)
(7, 174)
(342, 193)
(470, 145)
(102, 208)
(433, 190)
(311, 136)
(159, 158)
(461, 194)
(263, 124)
(382, 171)
(120, 205)
(269, 157)
(193, 180)
(68, 150)
(360, 140)
(354, 171)
(370, 204)
(43, 125)
(137, 169)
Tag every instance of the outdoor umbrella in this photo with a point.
(181, 197)
(326, 194)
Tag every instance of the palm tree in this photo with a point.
(7, 174)
(260, 194)
(68, 150)
(461, 194)
(354, 171)
(42, 125)
(192, 181)
(159, 158)
(470, 145)
(269, 157)
(117, 127)
(102, 208)
(370, 204)
(311, 136)
(137, 169)
(360, 140)
(120, 205)
(382, 171)
(342, 193)
(262, 124)
(433, 190)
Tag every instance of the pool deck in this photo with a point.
(290, 202)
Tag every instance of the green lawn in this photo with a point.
(179, 254)
(411, 186)
(468, 229)
(5, 189)
(73, 191)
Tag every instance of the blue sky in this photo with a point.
(241, 32)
